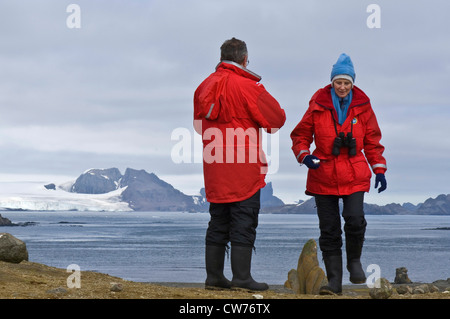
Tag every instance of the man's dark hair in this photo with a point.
(233, 50)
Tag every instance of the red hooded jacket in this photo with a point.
(230, 107)
(342, 174)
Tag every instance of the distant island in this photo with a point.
(432, 206)
(145, 191)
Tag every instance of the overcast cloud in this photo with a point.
(111, 93)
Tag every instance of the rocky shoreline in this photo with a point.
(29, 280)
(6, 222)
(22, 279)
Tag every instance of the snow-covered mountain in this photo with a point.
(107, 190)
(98, 190)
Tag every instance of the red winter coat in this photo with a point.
(230, 107)
(342, 174)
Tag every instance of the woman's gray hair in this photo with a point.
(233, 50)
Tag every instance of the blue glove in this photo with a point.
(380, 179)
(308, 160)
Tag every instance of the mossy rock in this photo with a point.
(310, 276)
(315, 279)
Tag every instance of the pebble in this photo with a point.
(403, 290)
(417, 290)
(116, 287)
(384, 291)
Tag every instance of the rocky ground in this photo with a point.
(28, 280)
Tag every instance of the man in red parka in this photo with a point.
(230, 107)
(342, 124)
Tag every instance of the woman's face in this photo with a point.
(342, 87)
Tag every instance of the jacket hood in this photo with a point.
(239, 69)
(210, 98)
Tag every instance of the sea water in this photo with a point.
(169, 246)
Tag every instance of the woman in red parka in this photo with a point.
(342, 124)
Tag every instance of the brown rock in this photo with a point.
(403, 290)
(306, 262)
(425, 288)
(382, 290)
(315, 279)
(401, 276)
(12, 250)
(308, 277)
(116, 287)
(292, 281)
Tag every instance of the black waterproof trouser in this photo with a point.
(234, 222)
(330, 240)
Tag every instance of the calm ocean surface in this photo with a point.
(169, 247)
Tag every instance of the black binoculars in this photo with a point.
(344, 141)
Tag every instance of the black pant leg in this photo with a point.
(218, 232)
(353, 213)
(244, 221)
(330, 240)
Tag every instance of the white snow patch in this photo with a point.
(18, 192)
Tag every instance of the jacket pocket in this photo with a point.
(360, 168)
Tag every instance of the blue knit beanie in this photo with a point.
(343, 66)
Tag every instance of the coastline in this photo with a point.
(29, 280)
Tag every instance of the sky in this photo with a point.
(111, 84)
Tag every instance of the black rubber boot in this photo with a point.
(357, 275)
(241, 259)
(333, 266)
(214, 259)
(354, 248)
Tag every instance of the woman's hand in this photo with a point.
(380, 179)
(311, 161)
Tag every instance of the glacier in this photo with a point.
(29, 193)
